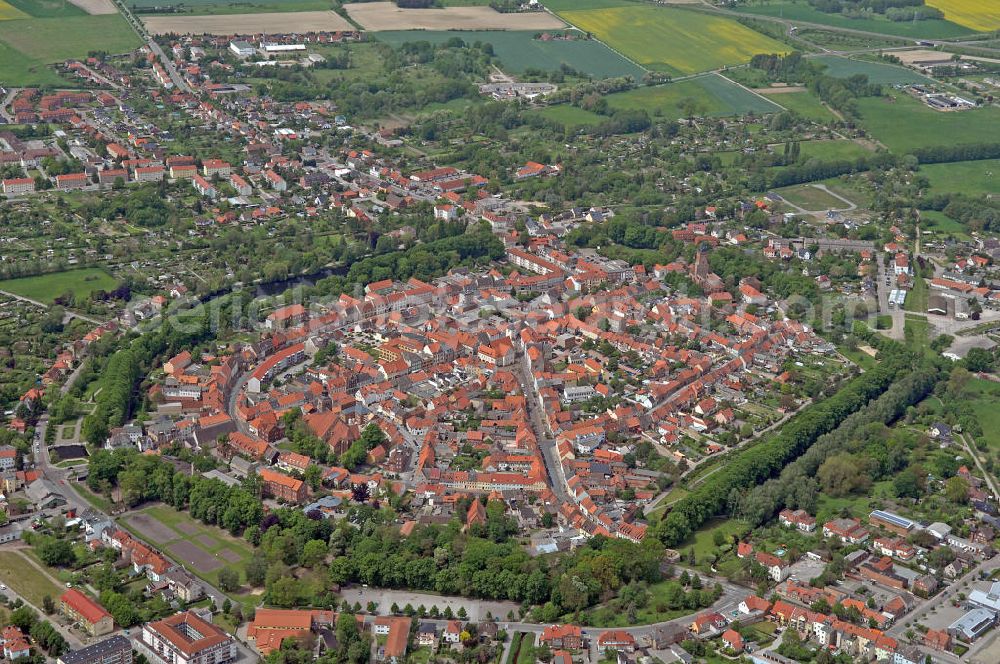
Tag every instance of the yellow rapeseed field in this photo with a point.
(8, 12)
(673, 40)
(982, 15)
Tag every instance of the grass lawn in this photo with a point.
(939, 222)
(25, 579)
(964, 177)
(703, 539)
(673, 40)
(916, 299)
(810, 198)
(907, 123)
(519, 50)
(828, 507)
(804, 104)
(917, 333)
(984, 397)
(710, 95)
(525, 655)
(47, 287)
(876, 72)
(800, 11)
(570, 116)
(98, 501)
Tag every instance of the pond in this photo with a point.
(69, 451)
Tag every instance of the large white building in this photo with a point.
(184, 638)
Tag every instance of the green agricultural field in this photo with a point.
(570, 116)
(47, 287)
(903, 123)
(28, 45)
(46, 8)
(876, 72)
(211, 7)
(810, 198)
(672, 40)
(519, 50)
(964, 177)
(800, 11)
(804, 104)
(710, 95)
(25, 579)
(833, 150)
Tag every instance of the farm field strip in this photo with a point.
(673, 40)
(222, 7)
(380, 16)
(710, 95)
(9, 12)
(247, 23)
(931, 29)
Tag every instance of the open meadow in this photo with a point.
(247, 23)
(982, 15)
(903, 123)
(379, 16)
(964, 177)
(47, 287)
(519, 50)
(672, 40)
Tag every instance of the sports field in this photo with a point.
(964, 177)
(204, 550)
(379, 16)
(982, 15)
(204, 7)
(710, 95)
(673, 40)
(903, 123)
(876, 72)
(47, 287)
(800, 11)
(28, 46)
(519, 50)
(810, 198)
